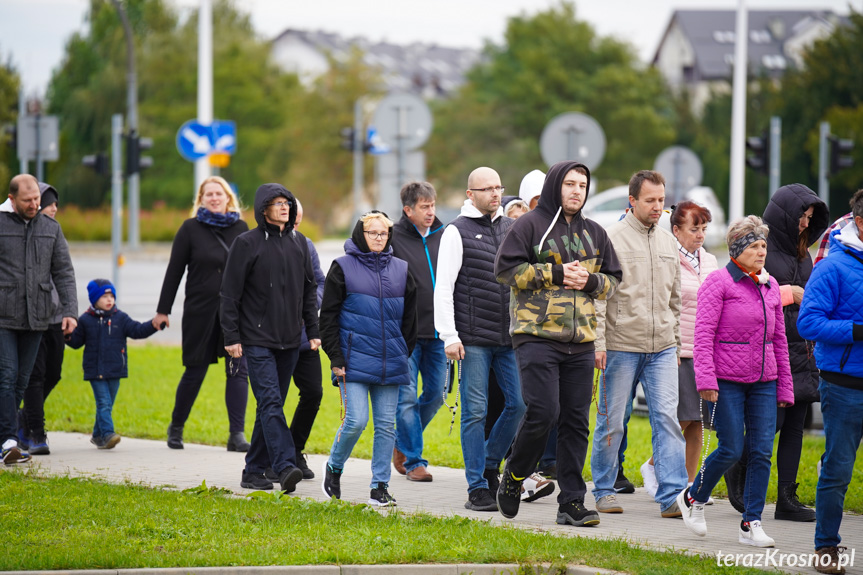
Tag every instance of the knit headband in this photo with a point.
(737, 246)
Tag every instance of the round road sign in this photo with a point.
(403, 119)
(573, 136)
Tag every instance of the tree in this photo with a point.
(9, 84)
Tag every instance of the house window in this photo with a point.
(723, 36)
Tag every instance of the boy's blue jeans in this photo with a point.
(105, 392)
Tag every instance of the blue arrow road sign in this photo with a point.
(195, 140)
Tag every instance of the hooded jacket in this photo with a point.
(530, 261)
(268, 288)
(35, 260)
(782, 215)
(421, 254)
(470, 306)
(50, 196)
(368, 314)
(831, 313)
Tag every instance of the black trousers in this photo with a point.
(43, 379)
(307, 378)
(236, 392)
(557, 389)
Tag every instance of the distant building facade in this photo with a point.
(696, 52)
(427, 70)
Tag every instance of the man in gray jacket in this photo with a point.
(33, 252)
(638, 339)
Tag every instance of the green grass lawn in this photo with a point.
(146, 399)
(84, 524)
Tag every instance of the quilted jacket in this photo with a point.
(741, 333)
(690, 281)
(104, 333)
(832, 305)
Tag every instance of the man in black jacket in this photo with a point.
(33, 253)
(416, 240)
(268, 292)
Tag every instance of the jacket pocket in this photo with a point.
(734, 358)
(43, 302)
(8, 299)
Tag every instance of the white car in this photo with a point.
(608, 207)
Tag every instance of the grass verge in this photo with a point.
(85, 524)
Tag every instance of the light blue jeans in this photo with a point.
(415, 413)
(384, 399)
(481, 454)
(658, 375)
(105, 392)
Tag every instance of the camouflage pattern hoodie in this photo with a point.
(530, 260)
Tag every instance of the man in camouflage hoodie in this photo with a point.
(557, 263)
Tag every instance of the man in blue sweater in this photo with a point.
(831, 314)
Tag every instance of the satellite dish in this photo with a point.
(573, 136)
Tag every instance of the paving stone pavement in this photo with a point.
(151, 463)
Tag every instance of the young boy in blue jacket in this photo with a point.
(103, 330)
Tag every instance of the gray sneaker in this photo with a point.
(608, 504)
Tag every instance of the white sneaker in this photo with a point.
(710, 500)
(535, 486)
(693, 513)
(753, 534)
(648, 474)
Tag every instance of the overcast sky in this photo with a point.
(33, 32)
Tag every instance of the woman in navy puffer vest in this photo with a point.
(368, 330)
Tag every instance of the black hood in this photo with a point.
(783, 213)
(549, 198)
(360, 238)
(48, 195)
(265, 194)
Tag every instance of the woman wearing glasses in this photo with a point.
(368, 329)
(201, 245)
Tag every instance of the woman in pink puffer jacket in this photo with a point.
(741, 363)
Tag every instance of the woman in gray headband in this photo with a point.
(741, 364)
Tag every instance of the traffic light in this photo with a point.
(99, 163)
(347, 138)
(759, 159)
(840, 154)
(135, 162)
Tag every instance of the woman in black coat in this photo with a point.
(202, 244)
(797, 217)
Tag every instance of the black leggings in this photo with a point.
(307, 378)
(236, 392)
(44, 377)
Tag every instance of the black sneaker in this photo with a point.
(575, 513)
(99, 442)
(304, 466)
(493, 478)
(288, 479)
(508, 494)
(271, 475)
(332, 483)
(480, 500)
(380, 497)
(255, 481)
(622, 484)
(110, 440)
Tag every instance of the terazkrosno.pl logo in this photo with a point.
(773, 558)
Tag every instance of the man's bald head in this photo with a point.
(22, 181)
(481, 174)
(299, 217)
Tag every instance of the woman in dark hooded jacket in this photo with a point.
(797, 217)
(368, 330)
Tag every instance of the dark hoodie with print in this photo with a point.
(530, 260)
(268, 288)
(782, 216)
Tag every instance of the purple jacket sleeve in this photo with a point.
(784, 384)
(707, 314)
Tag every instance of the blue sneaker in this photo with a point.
(14, 455)
(39, 445)
(23, 440)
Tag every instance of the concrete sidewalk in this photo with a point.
(151, 463)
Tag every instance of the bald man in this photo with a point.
(471, 311)
(33, 252)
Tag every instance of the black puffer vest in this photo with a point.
(481, 303)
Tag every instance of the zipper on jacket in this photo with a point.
(431, 269)
(845, 355)
(652, 286)
(383, 321)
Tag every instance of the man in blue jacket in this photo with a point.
(416, 239)
(268, 292)
(831, 314)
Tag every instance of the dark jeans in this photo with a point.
(557, 390)
(270, 373)
(236, 392)
(789, 426)
(307, 378)
(44, 377)
(18, 349)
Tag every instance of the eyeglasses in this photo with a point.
(489, 189)
(377, 235)
(280, 204)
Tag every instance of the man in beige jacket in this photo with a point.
(638, 339)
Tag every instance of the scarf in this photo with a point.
(759, 277)
(226, 220)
